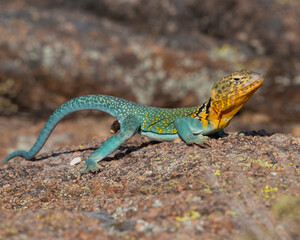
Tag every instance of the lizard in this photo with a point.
(191, 124)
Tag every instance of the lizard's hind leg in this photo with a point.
(129, 127)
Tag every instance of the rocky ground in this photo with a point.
(241, 187)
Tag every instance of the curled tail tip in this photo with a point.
(14, 154)
(5, 160)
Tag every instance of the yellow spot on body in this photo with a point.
(160, 130)
(144, 124)
(194, 114)
(204, 123)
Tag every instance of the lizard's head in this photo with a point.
(230, 93)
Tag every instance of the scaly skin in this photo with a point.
(191, 124)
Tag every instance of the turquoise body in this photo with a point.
(162, 124)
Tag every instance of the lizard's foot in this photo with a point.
(90, 165)
(197, 139)
(201, 140)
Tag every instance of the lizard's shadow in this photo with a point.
(126, 150)
(261, 133)
(123, 151)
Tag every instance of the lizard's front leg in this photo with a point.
(129, 127)
(190, 130)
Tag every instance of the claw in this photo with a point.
(204, 145)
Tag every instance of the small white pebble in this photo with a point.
(157, 203)
(75, 161)
(273, 173)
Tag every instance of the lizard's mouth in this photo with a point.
(256, 81)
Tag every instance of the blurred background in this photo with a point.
(160, 53)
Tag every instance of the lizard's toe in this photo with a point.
(204, 145)
(201, 140)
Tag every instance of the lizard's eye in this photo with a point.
(236, 79)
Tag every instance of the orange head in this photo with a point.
(230, 93)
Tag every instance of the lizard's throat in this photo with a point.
(221, 118)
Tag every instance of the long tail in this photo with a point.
(109, 104)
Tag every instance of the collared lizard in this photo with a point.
(191, 124)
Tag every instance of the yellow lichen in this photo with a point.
(188, 216)
(269, 192)
(208, 190)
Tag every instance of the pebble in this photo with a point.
(75, 161)
(157, 203)
(6, 186)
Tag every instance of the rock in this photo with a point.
(188, 200)
(75, 161)
(163, 53)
